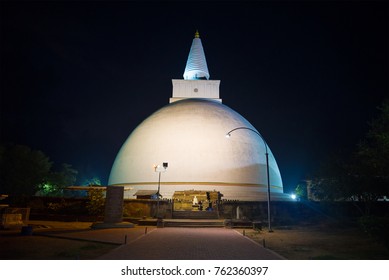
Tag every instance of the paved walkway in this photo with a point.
(191, 244)
(173, 243)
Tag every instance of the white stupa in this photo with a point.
(189, 134)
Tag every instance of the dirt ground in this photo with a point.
(295, 243)
(15, 246)
(324, 242)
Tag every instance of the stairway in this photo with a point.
(201, 215)
(193, 223)
(188, 219)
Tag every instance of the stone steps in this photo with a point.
(200, 223)
(193, 223)
(204, 215)
(183, 222)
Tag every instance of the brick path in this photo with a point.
(190, 244)
(179, 243)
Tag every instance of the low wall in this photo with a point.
(282, 212)
(293, 212)
(147, 208)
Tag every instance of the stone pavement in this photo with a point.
(171, 243)
(191, 244)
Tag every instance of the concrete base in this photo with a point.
(101, 225)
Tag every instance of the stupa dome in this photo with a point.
(189, 134)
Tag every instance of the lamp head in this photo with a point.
(161, 168)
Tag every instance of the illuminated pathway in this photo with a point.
(191, 244)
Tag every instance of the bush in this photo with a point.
(95, 204)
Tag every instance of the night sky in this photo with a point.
(77, 78)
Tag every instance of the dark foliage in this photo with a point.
(362, 175)
(22, 169)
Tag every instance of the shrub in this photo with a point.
(95, 204)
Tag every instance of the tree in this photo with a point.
(364, 174)
(332, 180)
(373, 152)
(95, 181)
(58, 180)
(301, 190)
(22, 169)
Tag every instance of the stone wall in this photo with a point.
(139, 208)
(282, 212)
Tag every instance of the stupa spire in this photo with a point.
(196, 65)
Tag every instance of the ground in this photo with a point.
(14, 246)
(296, 243)
(328, 242)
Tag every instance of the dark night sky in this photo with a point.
(77, 78)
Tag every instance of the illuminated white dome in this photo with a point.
(190, 135)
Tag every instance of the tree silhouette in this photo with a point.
(22, 169)
(363, 175)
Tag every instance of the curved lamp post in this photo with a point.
(228, 135)
(159, 169)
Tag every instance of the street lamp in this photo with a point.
(159, 169)
(228, 135)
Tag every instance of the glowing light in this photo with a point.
(293, 196)
(47, 188)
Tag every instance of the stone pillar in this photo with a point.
(114, 205)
